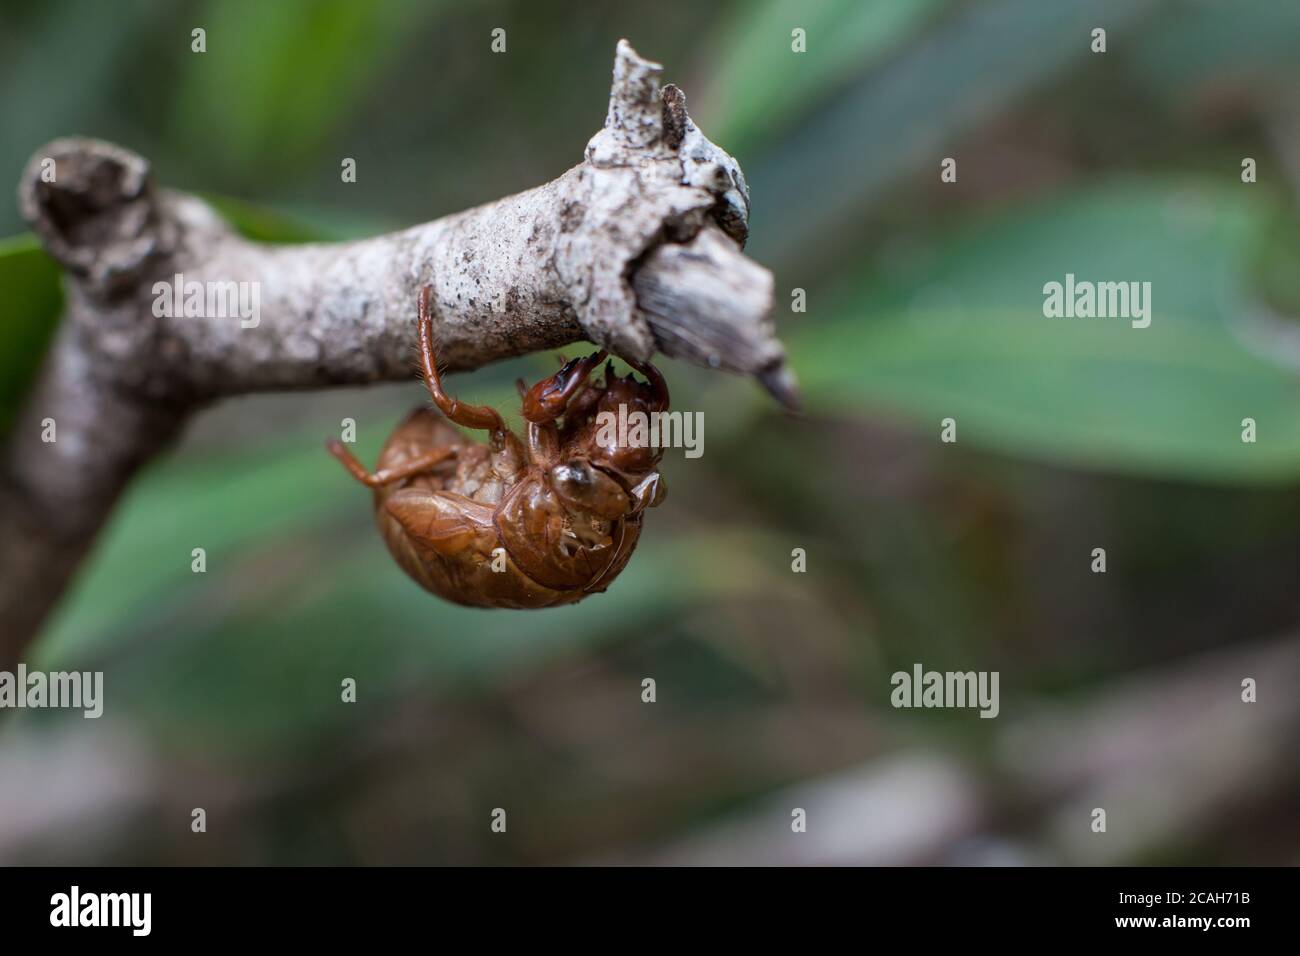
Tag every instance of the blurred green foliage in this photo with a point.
(287, 72)
(755, 101)
(28, 316)
(957, 331)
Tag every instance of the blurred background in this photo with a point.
(924, 301)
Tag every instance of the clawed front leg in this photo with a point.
(547, 400)
(660, 400)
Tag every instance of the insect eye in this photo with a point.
(571, 474)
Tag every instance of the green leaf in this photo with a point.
(893, 121)
(760, 84)
(29, 312)
(1275, 266)
(1250, 45)
(221, 503)
(958, 331)
(278, 78)
(262, 224)
(262, 671)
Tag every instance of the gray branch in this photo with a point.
(636, 249)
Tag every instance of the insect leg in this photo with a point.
(386, 476)
(549, 397)
(470, 416)
(657, 382)
(543, 443)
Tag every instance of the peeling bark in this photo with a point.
(636, 249)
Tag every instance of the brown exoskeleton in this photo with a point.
(518, 524)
